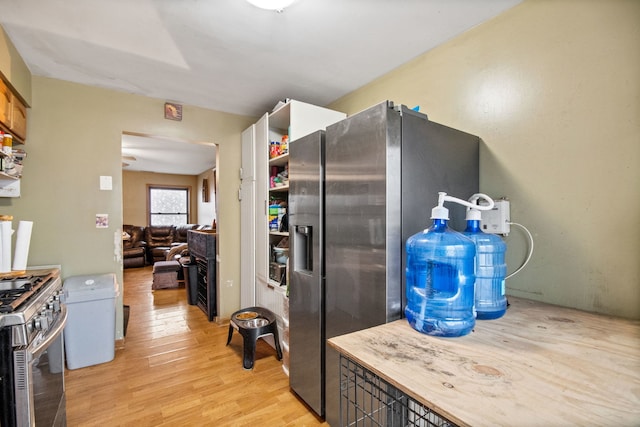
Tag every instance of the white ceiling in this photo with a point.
(228, 55)
(162, 155)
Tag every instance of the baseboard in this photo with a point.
(221, 321)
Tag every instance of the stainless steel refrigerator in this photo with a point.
(357, 192)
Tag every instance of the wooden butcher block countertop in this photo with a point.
(539, 365)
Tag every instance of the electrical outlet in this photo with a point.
(496, 221)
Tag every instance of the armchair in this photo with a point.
(134, 246)
(159, 239)
(181, 231)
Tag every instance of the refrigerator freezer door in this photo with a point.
(362, 194)
(363, 247)
(306, 293)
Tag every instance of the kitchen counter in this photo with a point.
(538, 365)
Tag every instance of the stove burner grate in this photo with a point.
(15, 291)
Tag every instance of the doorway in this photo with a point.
(151, 162)
(154, 160)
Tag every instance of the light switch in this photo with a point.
(105, 183)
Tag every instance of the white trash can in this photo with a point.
(89, 335)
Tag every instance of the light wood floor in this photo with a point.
(176, 370)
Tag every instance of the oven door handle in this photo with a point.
(52, 334)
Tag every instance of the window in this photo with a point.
(168, 205)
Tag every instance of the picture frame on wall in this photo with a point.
(205, 190)
(172, 111)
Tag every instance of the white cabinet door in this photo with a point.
(247, 196)
(248, 161)
(262, 197)
(294, 119)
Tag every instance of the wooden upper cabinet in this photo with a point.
(5, 104)
(13, 113)
(18, 118)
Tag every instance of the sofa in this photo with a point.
(147, 245)
(134, 247)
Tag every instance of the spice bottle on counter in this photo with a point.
(7, 144)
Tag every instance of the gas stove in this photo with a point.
(29, 302)
(32, 319)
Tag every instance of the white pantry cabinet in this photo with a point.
(293, 119)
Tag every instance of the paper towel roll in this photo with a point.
(23, 239)
(5, 241)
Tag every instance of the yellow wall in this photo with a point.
(134, 194)
(74, 138)
(552, 87)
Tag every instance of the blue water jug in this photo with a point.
(440, 279)
(490, 271)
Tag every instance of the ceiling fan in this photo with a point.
(126, 159)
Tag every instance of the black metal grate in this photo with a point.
(367, 400)
(202, 283)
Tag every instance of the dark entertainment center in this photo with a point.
(202, 250)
